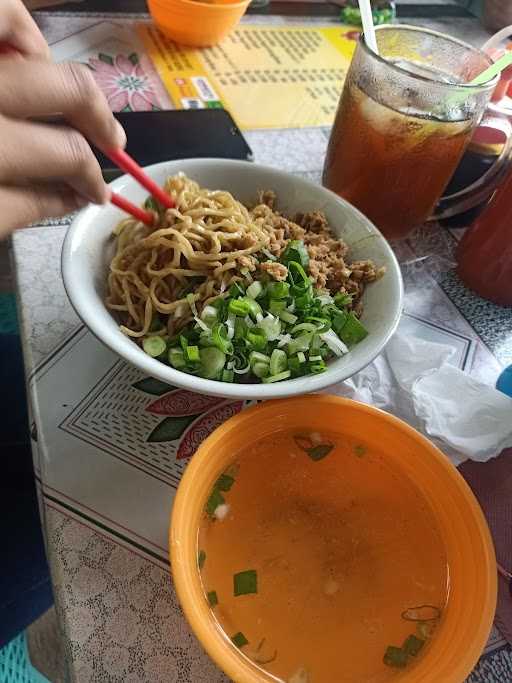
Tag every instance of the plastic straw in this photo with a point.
(368, 28)
(493, 70)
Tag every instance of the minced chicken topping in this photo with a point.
(328, 265)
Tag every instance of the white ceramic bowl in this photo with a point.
(88, 248)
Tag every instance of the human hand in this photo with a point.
(497, 14)
(45, 169)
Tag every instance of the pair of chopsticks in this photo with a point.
(125, 162)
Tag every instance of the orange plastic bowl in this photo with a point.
(198, 24)
(467, 618)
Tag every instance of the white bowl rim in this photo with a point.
(256, 391)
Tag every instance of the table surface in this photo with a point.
(106, 487)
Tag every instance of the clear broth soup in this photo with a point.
(320, 562)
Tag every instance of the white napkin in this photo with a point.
(414, 380)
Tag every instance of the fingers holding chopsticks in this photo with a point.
(34, 89)
(42, 153)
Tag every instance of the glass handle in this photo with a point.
(479, 191)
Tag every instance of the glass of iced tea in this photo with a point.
(404, 119)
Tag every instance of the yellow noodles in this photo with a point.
(200, 247)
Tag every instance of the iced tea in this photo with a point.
(403, 123)
(392, 166)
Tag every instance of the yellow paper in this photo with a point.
(267, 76)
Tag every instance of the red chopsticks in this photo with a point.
(138, 213)
(130, 166)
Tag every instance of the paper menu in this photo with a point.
(267, 76)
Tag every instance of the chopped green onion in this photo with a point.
(201, 558)
(245, 583)
(254, 307)
(353, 331)
(299, 344)
(225, 482)
(287, 317)
(212, 362)
(412, 645)
(295, 251)
(227, 376)
(277, 378)
(220, 338)
(295, 366)
(239, 307)
(278, 361)
(156, 324)
(319, 452)
(271, 327)
(276, 307)
(256, 339)
(236, 289)
(322, 324)
(240, 328)
(359, 451)
(176, 358)
(152, 205)
(396, 657)
(239, 639)
(261, 370)
(192, 354)
(299, 279)
(317, 367)
(342, 300)
(212, 598)
(215, 499)
(315, 346)
(257, 357)
(301, 357)
(303, 327)
(209, 315)
(255, 290)
(303, 301)
(278, 290)
(154, 346)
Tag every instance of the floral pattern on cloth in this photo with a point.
(129, 83)
(187, 416)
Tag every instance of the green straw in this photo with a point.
(499, 65)
(493, 70)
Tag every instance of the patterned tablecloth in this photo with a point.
(110, 445)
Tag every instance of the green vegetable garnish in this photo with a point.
(342, 300)
(216, 498)
(239, 639)
(225, 482)
(297, 328)
(396, 657)
(154, 346)
(151, 204)
(359, 451)
(212, 362)
(245, 583)
(353, 331)
(412, 645)
(295, 251)
(201, 558)
(319, 452)
(212, 598)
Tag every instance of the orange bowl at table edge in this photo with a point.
(196, 24)
(468, 616)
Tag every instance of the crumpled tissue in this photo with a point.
(414, 380)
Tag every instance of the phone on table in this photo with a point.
(155, 136)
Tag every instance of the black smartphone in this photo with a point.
(155, 136)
